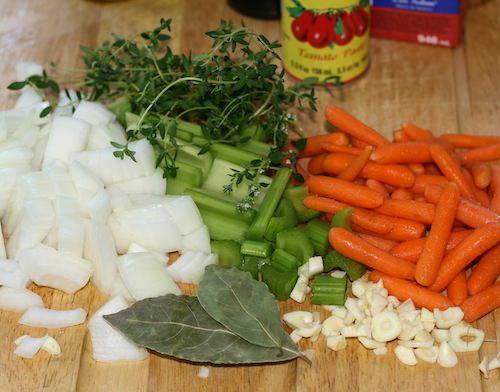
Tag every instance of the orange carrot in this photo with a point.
(450, 168)
(429, 261)
(313, 143)
(482, 303)
(371, 221)
(356, 166)
(485, 272)
(469, 141)
(356, 248)
(402, 229)
(330, 147)
(408, 209)
(422, 180)
(486, 153)
(302, 171)
(457, 289)
(411, 250)
(359, 144)
(315, 164)
(379, 242)
(495, 188)
(480, 195)
(352, 126)
(481, 174)
(406, 152)
(345, 191)
(431, 168)
(377, 186)
(416, 168)
(403, 289)
(468, 212)
(416, 133)
(402, 194)
(400, 136)
(474, 245)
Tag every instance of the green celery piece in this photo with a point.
(190, 154)
(227, 152)
(131, 119)
(334, 259)
(184, 126)
(284, 218)
(317, 231)
(252, 264)
(269, 204)
(217, 205)
(255, 131)
(260, 249)
(176, 186)
(120, 107)
(228, 253)
(295, 241)
(188, 176)
(296, 195)
(280, 283)
(256, 147)
(342, 219)
(223, 228)
(328, 290)
(284, 261)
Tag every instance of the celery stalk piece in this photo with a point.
(184, 126)
(252, 264)
(131, 119)
(256, 248)
(342, 219)
(280, 283)
(296, 195)
(269, 204)
(189, 154)
(218, 205)
(228, 252)
(188, 176)
(120, 107)
(284, 261)
(255, 131)
(327, 290)
(227, 152)
(334, 259)
(223, 228)
(317, 231)
(284, 218)
(256, 147)
(295, 241)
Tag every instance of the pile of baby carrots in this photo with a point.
(426, 209)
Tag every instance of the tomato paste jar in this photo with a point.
(326, 39)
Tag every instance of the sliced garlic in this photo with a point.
(449, 317)
(440, 335)
(393, 301)
(359, 287)
(385, 326)
(427, 354)
(332, 326)
(406, 306)
(308, 332)
(405, 355)
(349, 318)
(299, 291)
(378, 304)
(338, 274)
(336, 343)
(298, 319)
(339, 311)
(370, 343)
(494, 363)
(409, 330)
(459, 332)
(355, 331)
(380, 351)
(295, 336)
(51, 346)
(484, 368)
(414, 344)
(446, 356)
(352, 305)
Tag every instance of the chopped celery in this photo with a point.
(177, 186)
(352, 268)
(184, 126)
(327, 290)
(284, 218)
(255, 131)
(228, 152)
(342, 219)
(295, 241)
(284, 261)
(317, 231)
(256, 248)
(269, 204)
(187, 176)
(120, 107)
(256, 147)
(296, 195)
(280, 283)
(217, 205)
(228, 252)
(252, 264)
(189, 154)
(223, 228)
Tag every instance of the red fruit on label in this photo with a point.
(359, 23)
(346, 36)
(331, 28)
(301, 25)
(318, 33)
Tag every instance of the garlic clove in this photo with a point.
(405, 355)
(446, 356)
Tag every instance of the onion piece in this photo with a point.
(25, 69)
(51, 318)
(28, 98)
(11, 274)
(16, 156)
(61, 180)
(8, 177)
(185, 214)
(102, 135)
(99, 207)
(27, 136)
(18, 300)
(118, 289)
(93, 112)
(109, 345)
(154, 184)
(27, 346)
(52, 268)
(197, 240)
(136, 248)
(190, 267)
(3, 254)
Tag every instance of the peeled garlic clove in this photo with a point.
(370, 343)
(51, 346)
(352, 305)
(406, 306)
(405, 355)
(354, 331)
(295, 336)
(332, 326)
(484, 368)
(308, 332)
(494, 363)
(336, 343)
(446, 356)
(380, 351)
(427, 354)
(298, 319)
(449, 317)
(459, 332)
(385, 326)
(440, 335)
(339, 311)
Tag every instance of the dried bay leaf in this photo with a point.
(180, 327)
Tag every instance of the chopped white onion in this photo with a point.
(27, 346)
(118, 289)
(154, 184)
(190, 266)
(16, 156)
(11, 275)
(71, 235)
(25, 69)
(28, 136)
(136, 248)
(28, 98)
(18, 299)
(197, 240)
(8, 177)
(84, 178)
(185, 214)
(61, 180)
(102, 135)
(3, 254)
(93, 112)
(99, 207)
(51, 318)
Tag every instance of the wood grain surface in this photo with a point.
(440, 89)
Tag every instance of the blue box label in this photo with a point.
(435, 6)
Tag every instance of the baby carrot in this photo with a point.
(457, 289)
(422, 180)
(495, 188)
(377, 186)
(480, 195)
(379, 242)
(356, 248)
(367, 219)
(403, 289)
(468, 141)
(409, 209)
(359, 144)
(406, 152)
(330, 147)
(402, 194)
(429, 261)
(356, 166)
(474, 245)
(481, 174)
(344, 191)
(431, 168)
(315, 164)
(352, 126)
(400, 136)
(450, 169)
(313, 143)
(402, 229)
(416, 168)
(416, 133)
(482, 303)
(485, 272)
(485, 153)
(468, 212)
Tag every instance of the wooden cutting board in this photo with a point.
(440, 89)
